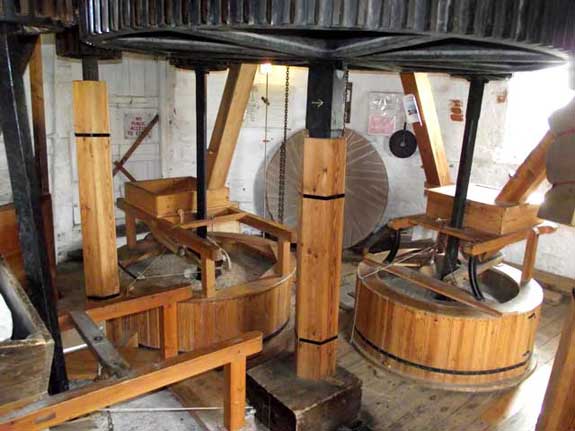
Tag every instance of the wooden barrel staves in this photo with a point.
(406, 329)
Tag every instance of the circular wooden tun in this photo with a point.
(410, 331)
(249, 296)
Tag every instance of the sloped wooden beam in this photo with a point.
(428, 132)
(528, 176)
(229, 122)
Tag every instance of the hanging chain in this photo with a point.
(345, 96)
(283, 153)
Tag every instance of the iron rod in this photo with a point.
(473, 112)
(201, 147)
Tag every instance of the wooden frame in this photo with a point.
(231, 354)
(175, 232)
(480, 243)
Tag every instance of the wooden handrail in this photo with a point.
(114, 308)
(231, 354)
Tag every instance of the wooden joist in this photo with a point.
(428, 132)
(228, 123)
(230, 354)
(97, 342)
(278, 230)
(441, 288)
(175, 233)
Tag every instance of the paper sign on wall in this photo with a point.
(385, 113)
(136, 122)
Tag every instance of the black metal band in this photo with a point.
(92, 135)
(324, 198)
(441, 370)
(318, 343)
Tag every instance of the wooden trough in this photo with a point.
(27, 357)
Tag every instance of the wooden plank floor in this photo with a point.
(393, 403)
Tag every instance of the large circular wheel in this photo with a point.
(366, 186)
(454, 36)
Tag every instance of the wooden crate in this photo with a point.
(25, 360)
(481, 211)
(164, 197)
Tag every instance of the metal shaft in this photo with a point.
(201, 148)
(473, 112)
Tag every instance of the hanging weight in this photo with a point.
(403, 144)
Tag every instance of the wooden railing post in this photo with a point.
(169, 329)
(208, 276)
(284, 257)
(235, 394)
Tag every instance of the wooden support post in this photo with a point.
(320, 243)
(229, 122)
(169, 330)
(284, 257)
(91, 124)
(38, 117)
(558, 412)
(131, 238)
(428, 132)
(208, 276)
(320, 238)
(235, 394)
(530, 256)
(40, 149)
(528, 176)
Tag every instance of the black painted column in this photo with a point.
(90, 70)
(472, 114)
(201, 147)
(26, 193)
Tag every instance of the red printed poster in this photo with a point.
(381, 125)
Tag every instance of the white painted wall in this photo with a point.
(513, 120)
(133, 86)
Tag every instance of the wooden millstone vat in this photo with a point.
(447, 344)
(249, 295)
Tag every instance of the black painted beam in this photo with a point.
(325, 101)
(472, 114)
(90, 69)
(201, 147)
(26, 192)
